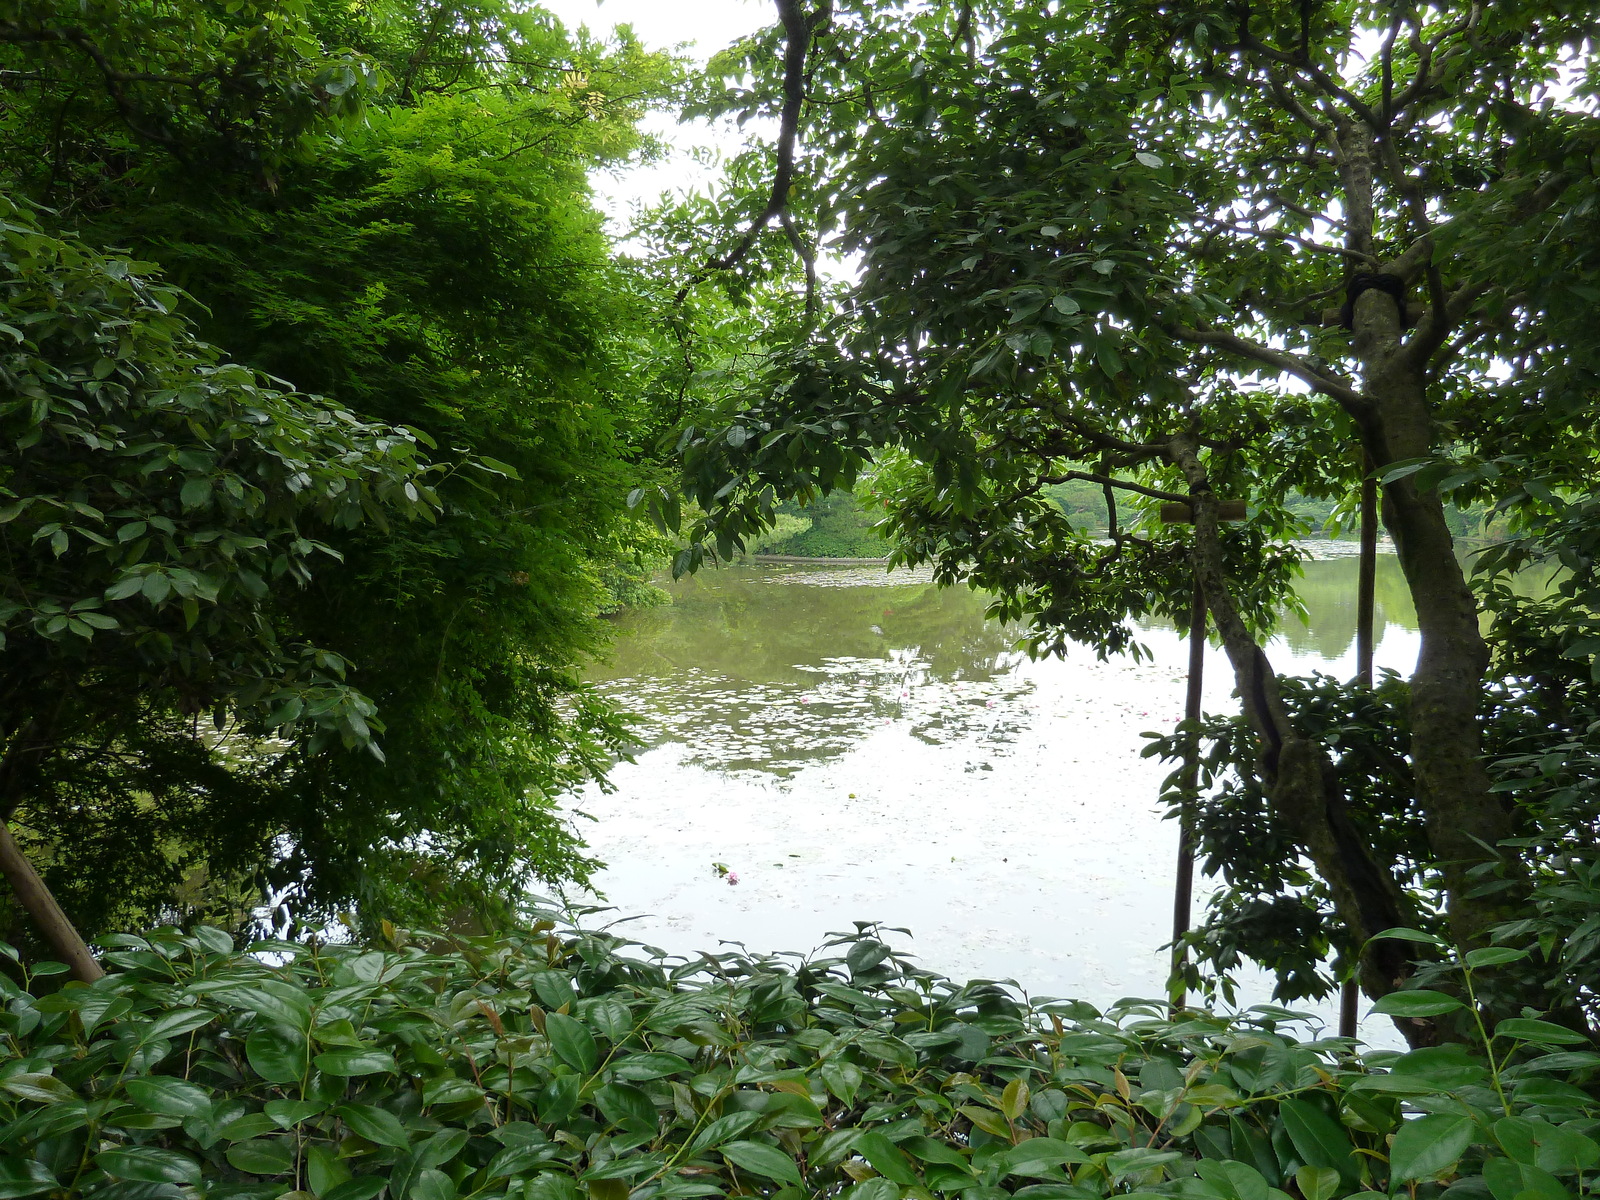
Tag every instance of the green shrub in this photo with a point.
(558, 1066)
(839, 528)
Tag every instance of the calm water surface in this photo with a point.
(859, 746)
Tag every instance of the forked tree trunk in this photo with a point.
(57, 931)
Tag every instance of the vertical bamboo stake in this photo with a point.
(1183, 889)
(1366, 587)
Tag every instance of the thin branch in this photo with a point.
(1124, 484)
(1425, 78)
(797, 41)
(1281, 236)
(806, 256)
(1290, 364)
(1324, 82)
(1447, 312)
(1386, 61)
(1309, 214)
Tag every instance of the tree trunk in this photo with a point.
(1465, 820)
(1294, 769)
(35, 898)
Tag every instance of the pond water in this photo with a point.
(854, 745)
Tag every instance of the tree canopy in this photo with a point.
(1190, 253)
(387, 205)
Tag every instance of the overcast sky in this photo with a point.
(701, 28)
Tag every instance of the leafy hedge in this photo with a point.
(555, 1066)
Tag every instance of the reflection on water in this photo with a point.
(763, 668)
(1328, 591)
(857, 745)
(766, 668)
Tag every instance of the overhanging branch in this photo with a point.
(797, 42)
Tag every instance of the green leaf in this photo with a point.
(1317, 1183)
(1235, 1180)
(277, 1054)
(23, 1177)
(347, 1063)
(723, 1129)
(1318, 1138)
(176, 1022)
(1027, 1157)
(886, 1158)
(1420, 1003)
(262, 1156)
(1014, 1099)
(324, 1170)
(37, 1086)
(176, 1097)
(1429, 1147)
(288, 1113)
(375, 1124)
(363, 1187)
(1509, 1180)
(1493, 956)
(432, 1184)
(572, 1041)
(762, 1159)
(639, 1067)
(146, 1164)
(1400, 933)
(1540, 1033)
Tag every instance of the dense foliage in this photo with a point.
(840, 525)
(1188, 254)
(387, 204)
(153, 497)
(551, 1066)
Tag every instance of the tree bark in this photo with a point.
(1465, 820)
(1294, 769)
(58, 932)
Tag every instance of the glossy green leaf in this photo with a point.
(346, 1063)
(1317, 1183)
(1318, 1139)
(1428, 1147)
(761, 1159)
(148, 1164)
(1421, 1003)
(1540, 1033)
(375, 1124)
(572, 1041)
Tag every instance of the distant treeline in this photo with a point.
(840, 526)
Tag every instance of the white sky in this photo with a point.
(698, 27)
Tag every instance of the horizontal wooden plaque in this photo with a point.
(1181, 514)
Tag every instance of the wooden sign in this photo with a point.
(1182, 514)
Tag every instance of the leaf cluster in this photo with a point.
(557, 1065)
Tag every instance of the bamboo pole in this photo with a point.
(1183, 888)
(1366, 591)
(58, 932)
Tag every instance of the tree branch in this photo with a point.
(797, 41)
(1123, 484)
(1280, 235)
(1289, 364)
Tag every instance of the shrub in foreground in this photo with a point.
(571, 1065)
